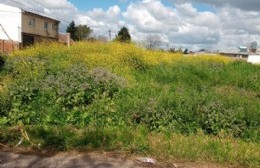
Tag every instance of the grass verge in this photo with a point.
(164, 146)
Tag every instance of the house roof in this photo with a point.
(39, 15)
(31, 11)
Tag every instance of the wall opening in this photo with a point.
(27, 40)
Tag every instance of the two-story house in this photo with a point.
(25, 27)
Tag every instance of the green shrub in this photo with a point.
(62, 97)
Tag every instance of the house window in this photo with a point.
(46, 25)
(54, 26)
(32, 22)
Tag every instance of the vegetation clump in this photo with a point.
(123, 35)
(118, 96)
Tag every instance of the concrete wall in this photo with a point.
(254, 59)
(35, 25)
(10, 19)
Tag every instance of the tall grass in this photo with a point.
(109, 96)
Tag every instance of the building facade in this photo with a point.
(26, 28)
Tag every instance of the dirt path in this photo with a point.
(63, 160)
(91, 160)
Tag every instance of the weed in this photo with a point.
(118, 96)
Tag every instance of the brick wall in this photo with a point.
(6, 47)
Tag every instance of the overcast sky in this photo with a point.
(193, 24)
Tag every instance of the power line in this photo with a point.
(45, 13)
(68, 16)
(48, 15)
(25, 6)
(5, 32)
(39, 12)
(65, 20)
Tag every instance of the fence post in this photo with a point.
(68, 39)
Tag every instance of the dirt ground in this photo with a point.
(90, 160)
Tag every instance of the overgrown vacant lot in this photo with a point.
(95, 96)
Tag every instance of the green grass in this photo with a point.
(120, 97)
(165, 146)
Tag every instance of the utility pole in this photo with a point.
(167, 46)
(109, 34)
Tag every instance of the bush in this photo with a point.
(61, 97)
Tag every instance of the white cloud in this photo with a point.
(184, 25)
(111, 15)
(252, 5)
(151, 17)
(57, 4)
(101, 21)
(187, 10)
(231, 23)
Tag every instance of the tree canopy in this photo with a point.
(78, 33)
(123, 35)
(82, 32)
(72, 30)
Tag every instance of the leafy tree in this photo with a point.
(72, 30)
(123, 35)
(82, 32)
